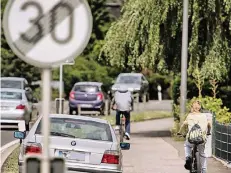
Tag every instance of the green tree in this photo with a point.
(84, 70)
(149, 32)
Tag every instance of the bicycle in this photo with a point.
(194, 165)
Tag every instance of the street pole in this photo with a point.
(46, 103)
(184, 60)
(60, 87)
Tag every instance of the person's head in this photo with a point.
(196, 106)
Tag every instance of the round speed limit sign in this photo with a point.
(45, 33)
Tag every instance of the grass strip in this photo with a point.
(11, 164)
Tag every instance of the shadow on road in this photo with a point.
(152, 134)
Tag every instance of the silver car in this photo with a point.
(17, 83)
(87, 144)
(16, 106)
(135, 83)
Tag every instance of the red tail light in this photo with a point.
(110, 157)
(100, 96)
(72, 95)
(33, 149)
(20, 106)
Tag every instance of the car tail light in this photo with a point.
(100, 96)
(33, 148)
(111, 157)
(72, 95)
(20, 106)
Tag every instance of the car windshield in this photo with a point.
(11, 84)
(86, 88)
(8, 95)
(129, 79)
(75, 128)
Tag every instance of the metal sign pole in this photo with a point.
(60, 87)
(184, 61)
(46, 104)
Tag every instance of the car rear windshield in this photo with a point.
(11, 84)
(86, 88)
(82, 129)
(7, 95)
(129, 79)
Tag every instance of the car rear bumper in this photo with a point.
(12, 115)
(90, 170)
(86, 104)
(83, 169)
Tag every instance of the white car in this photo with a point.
(87, 144)
(16, 106)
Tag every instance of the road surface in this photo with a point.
(6, 137)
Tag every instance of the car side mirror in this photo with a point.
(125, 146)
(19, 135)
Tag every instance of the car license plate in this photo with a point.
(71, 155)
(85, 106)
(79, 156)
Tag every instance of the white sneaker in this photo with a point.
(127, 136)
(117, 127)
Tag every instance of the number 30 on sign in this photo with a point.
(47, 33)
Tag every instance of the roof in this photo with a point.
(79, 117)
(13, 78)
(13, 90)
(89, 83)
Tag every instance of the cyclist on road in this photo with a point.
(123, 104)
(196, 117)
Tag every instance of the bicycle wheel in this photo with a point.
(194, 161)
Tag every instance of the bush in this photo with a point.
(208, 103)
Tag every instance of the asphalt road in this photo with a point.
(6, 137)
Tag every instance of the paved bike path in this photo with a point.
(151, 153)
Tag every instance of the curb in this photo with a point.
(7, 149)
(226, 164)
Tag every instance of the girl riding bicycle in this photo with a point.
(196, 117)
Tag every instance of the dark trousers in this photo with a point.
(127, 122)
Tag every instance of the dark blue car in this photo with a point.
(88, 95)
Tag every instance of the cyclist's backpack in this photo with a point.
(195, 135)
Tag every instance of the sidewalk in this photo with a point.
(152, 151)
